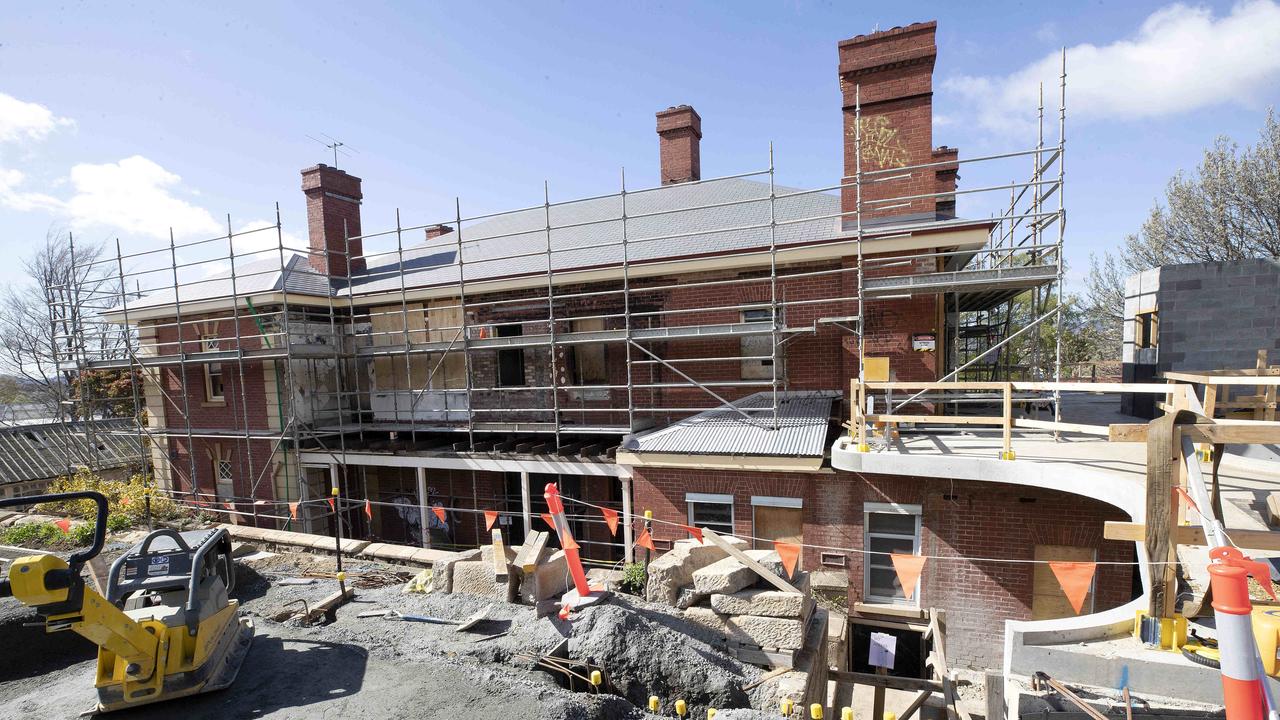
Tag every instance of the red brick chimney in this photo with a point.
(435, 231)
(333, 215)
(679, 136)
(891, 74)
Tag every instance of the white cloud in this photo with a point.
(21, 120)
(12, 197)
(1182, 58)
(136, 196)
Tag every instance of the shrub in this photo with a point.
(47, 536)
(634, 577)
(126, 500)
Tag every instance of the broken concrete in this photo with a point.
(759, 601)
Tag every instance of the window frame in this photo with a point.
(211, 343)
(869, 560)
(692, 499)
(218, 463)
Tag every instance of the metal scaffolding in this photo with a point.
(415, 344)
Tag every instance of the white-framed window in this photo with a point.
(213, 390)
(224, 475)
(888, 528)
(709, 510)
(757, 346)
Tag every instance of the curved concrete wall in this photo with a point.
(1124, 491)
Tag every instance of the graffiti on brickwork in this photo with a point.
(881, 146)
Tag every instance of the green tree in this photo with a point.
(1228, 209)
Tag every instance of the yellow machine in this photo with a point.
(166, 628)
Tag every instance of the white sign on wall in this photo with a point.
(883, 648)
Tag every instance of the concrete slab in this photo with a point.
(549, 579)
(729, 575)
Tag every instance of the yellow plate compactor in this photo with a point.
(166, 628)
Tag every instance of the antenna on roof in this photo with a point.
(337, 146)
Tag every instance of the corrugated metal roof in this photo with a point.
(39, 452)
(803, 419)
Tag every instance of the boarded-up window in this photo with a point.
(392, 326)
(1048, 601)
(777, 518)
(444, 318)
(588, 358)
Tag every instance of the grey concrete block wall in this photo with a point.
(1218, 315)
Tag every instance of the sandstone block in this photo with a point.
(730, 575)
(759, 601)
(674, 569)
(549, 580)
(442, 570)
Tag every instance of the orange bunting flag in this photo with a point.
(125, 500)
(332, 506)
(695, 532)
(439, 511)
(368, 509)
(490, 517)
(229, 505)
(610, 519)
(293, 510)
(645, 541)
(908, 568)
(546, 518)
(1186, 498)
(64, 525)
(1075, 578)
(789, 553)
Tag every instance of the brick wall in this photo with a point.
(960, 519)
(890, 75)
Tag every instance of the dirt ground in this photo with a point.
(391, 668)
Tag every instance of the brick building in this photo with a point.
(685, 349)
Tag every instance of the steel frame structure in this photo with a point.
(305, 335)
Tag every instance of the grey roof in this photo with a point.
(672, 221)
(804, 421)
(259, 276)
(39, 452)
(578, 228)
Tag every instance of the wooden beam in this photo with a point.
(915, 705)
(1220, 432)
(742, 557)
(937, 419)
(892, 682)
(1266, 540)
(1101, 430)
(1162, 517)
(1268, 376)
(994, 681)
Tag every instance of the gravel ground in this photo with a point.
(391, 668)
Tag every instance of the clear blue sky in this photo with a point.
(208, 105)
